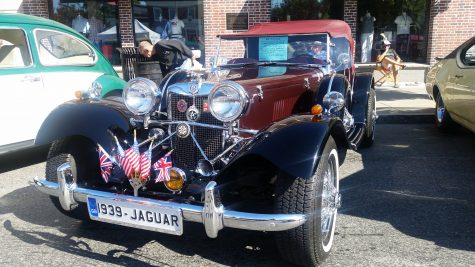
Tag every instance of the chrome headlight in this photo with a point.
(140, 95)
(334, 101)
(228, 101)
(95, 90)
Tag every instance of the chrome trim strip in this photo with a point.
(203, 125)
(212, 214)
(331, 83)
(198, 146)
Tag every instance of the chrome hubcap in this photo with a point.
(440, 109)
(331, 198)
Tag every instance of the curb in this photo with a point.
(405, 119)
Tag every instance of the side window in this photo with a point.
(59, 49)
(468, 56)
(14, 51)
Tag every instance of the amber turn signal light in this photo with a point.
(177, 179)
(78, 94)
(316, 110)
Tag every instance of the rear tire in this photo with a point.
(76, 152)
(311, 243)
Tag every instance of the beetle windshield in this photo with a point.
(306, 49)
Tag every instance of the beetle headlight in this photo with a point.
(140, 95)
(95, 90)
(228, 101)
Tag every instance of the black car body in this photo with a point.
(252, 144)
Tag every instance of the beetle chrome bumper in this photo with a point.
(212, 214)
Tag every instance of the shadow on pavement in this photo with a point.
(22, 158)
(423, 184)
(391, 94)
(232, 247)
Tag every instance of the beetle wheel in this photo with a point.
(318, 197)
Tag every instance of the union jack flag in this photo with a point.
(162, 166)
(146, 163)
(105, 164)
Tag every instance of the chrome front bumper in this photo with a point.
(212, 215)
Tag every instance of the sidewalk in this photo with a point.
(407, 104)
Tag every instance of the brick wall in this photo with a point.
(350, 14)
(215, 23)
(35, 7)
(451, 23)
(125, 23)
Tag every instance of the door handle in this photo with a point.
(29, 78)
(458, 76)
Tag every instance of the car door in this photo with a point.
(68, 64)
(463, 86)
(21, 87)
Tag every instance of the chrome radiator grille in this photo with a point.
(186, 153)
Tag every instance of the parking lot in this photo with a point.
(407, 201)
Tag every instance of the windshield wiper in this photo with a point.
(245, 64)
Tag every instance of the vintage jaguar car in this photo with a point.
(38, 57)
(252, 144)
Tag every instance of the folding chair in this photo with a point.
(387, 74)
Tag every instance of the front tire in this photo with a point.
(371, 117)
(318, 197)
(78, 153)
(443, 121)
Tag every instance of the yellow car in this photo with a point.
(451, 83)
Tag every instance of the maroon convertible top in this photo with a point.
(336, 28)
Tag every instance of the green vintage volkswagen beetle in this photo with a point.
(42, 64)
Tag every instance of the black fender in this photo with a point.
(292, 145)
(92, 120)
(333, 82)
(362, 85)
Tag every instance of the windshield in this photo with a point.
(307, 49)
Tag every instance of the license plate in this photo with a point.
(138, 215)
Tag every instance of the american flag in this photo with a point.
(105, 164)
(129, 159)
(146, 163)
(162, 166)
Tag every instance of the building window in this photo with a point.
(282, 10)
(404, 23)
(158, 19)
(96, 20)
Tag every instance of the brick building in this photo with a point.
(437, 26)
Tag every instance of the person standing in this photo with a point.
(366, 37)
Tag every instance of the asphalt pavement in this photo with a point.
(406, 201)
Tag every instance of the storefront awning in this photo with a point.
(142, 32)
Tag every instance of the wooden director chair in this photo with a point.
(387, 74)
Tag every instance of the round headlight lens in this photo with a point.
(95, 90)
(140, 95)
(227, 101)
